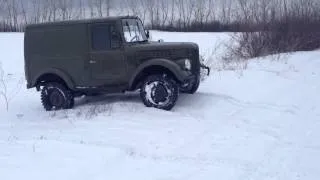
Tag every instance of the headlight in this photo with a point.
(187, 64)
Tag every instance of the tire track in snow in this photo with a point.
(260, 105)
(130, 152)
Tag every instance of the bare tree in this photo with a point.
(98, 5)
(52, 10)
(210, 12)
(203, 10)
(244, 10)
(12, 13)
(186, 10)
(3, 88)
(43, 10)
(108, 6)
(65, 7)
(164, 8)
(101, 7)
(82, 10)
(2, 14)
(226, 9)
(172, 14)
(23, 12)
(150, 5)
(2, 5)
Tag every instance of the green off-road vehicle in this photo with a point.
(69, 59)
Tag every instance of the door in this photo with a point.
(106, 60)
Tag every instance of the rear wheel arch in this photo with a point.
(49, 77)
(53, 76)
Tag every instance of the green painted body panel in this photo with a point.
(64, 49)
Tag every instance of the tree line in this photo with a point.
(269, 26)
(171, 15)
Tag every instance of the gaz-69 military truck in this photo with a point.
(68, 59)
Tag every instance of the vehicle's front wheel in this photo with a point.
(160, 91)
(55, 96)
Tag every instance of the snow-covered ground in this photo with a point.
(262, 123)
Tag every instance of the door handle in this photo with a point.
(92, 61)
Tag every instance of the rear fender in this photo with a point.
(66, 78)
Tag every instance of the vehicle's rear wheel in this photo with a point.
(55, 96)
(191, 87)
(160, 91)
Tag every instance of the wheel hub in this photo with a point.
(56, 98)
(159, 93)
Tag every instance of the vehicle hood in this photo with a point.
(168, 50)
(155, 45)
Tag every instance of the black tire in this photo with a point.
(159, 91)
(192, 87)
(55, 96)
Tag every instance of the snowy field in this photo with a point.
(260, 124)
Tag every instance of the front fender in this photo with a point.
(66, 78)
(174, 68)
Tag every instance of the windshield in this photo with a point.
(133, 30)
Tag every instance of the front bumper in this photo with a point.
(205, 68)
(204, 72)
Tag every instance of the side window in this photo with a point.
(101, 37)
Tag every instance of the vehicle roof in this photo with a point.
(83, 21)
